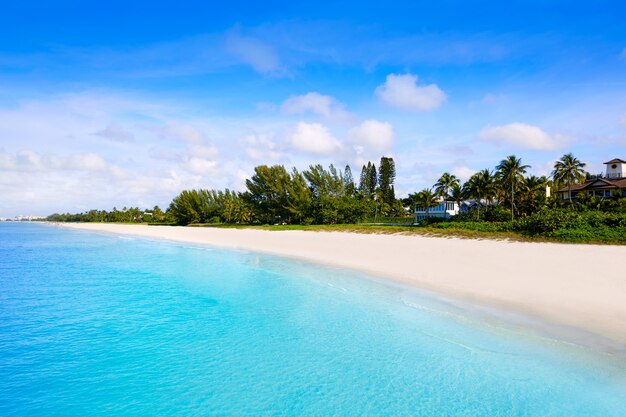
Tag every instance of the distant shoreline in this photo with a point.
(568, 286)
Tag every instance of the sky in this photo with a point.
(122, 103)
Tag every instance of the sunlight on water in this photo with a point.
(96, 325)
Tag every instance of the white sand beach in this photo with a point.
(580, 287)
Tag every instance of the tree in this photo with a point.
(427, 198)
(363, 181)
(192, 206)
(570, 170)
(445, 183)
(511, 172)
(371, 179)
(267, 193)
(480, 186)
(532, 195)
(299, 201)
(386, 178)
(457, 193)
(348, 181)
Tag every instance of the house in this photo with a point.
(611, 184)
(445, 209)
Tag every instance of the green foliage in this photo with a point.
(489, 227)
(575, 226)
(328, 196)
(369, 180)
(446, 184)
(126, 215)
(209, 206)
(386, 178)
(349, 181)
(510, 173)
(569, 170)
(267, 193)
(497, 213)
(481, 186)
(427, 199)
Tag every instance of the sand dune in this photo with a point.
(575, 286)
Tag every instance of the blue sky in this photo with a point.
(117, 105)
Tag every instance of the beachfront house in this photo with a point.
(610, 184)
(445, 209)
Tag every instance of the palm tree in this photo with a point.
(511, 173)
(445, 183)
(480, 186)
(569, 169)
(427, 199)
(532, 193)
(457, 193)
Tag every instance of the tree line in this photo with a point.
(506, 186)
(505, 195)
(275, 195)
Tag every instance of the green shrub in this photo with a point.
(497, 213)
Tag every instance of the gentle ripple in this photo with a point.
(96, 325)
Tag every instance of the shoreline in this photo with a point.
(572, 291)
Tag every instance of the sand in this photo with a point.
(579, 287)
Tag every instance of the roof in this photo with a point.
(616, 161)
(606, 185)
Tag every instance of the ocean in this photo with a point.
(102, 325)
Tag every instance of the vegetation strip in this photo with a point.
(503, 203)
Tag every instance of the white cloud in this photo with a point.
(260, 147)
(520, 135)
(185, 133)
(61, 163)
(316, 103)
(203, 151)
(463, 172)
(253, 52)
(115, 133)
(86, 162)
(201, 166)
(373, 136)
(28, 160)
(314, 138)
(403, 92)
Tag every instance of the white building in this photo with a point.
(445, 209)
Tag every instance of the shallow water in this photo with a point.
(94, 324)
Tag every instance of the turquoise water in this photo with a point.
(100, 325)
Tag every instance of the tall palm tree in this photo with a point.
(480, 186)
(532, 193)
(457, 193)
(427, 198)
(445, 183)
(569, 169)
(511, 173)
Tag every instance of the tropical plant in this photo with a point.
(427, 199)
(532, 194)
(386, 178)
(569, 169)
(445, 184)
(511, 172)
(457, 193)
(480, 186)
